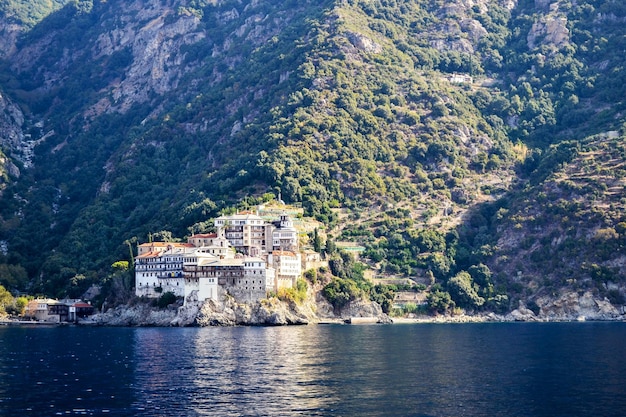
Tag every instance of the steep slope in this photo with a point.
(565, 232)
(146, 121)
(557, 233)
(418, 129)
(18, 16)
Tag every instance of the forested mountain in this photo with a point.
(473, 146)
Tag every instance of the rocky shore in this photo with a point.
(227, 312)
(315, 309)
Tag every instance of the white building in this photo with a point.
(284, 234)
(158, 268)
(247, 232)
(201, 281)
(207, 265)
(250, 234)
(245, 278)
(288, 267)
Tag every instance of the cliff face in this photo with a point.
(226, 312)
(9, 32)
(12, 141)
(568, 306)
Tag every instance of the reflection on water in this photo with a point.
(231, 371)
(538, 370)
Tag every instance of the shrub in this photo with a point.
(340, 292)
(311, 276)
(462, 290)
(166, 299)
(439, 301)
(297, 294)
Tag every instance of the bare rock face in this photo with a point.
(11, 137)
(186, 316)
(574, 306)
(147, 38)
(522, 313)
(151, 32)
(551, 28)
(568, 306)
(364, 43)
(213, 313)
(11, 123)
(227, 312)
(137, 315)
(156, 67)
(361, 308)
(9, 33)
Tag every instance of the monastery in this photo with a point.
(247, 257)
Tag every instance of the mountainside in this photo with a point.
(474, 145)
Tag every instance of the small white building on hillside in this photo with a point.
(284, 234)
(287, 266)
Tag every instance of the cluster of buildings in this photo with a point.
(247, 257)
(57, 311)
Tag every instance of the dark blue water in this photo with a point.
(567, 369)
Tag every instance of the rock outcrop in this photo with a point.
(568, 306)
(550, 30)
(227, 312)
(12, 138)
(521, 313)
(270, 312)
(9, 32)
(575, 306)
(136, 315)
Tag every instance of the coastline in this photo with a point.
(25, 323)
(355, 321)
(315, 310)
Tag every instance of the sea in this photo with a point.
(478, 369)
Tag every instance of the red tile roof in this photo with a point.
(283, 253)
(150, 255)
(204, 236)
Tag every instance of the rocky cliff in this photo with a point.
(229, 313)
(12, 140)
(568, 306)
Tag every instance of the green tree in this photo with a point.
(462, 291)
(439, 301)
(317, 241)
(20, 305)
(481, 274)
(340, 292)
(6, 300)
(121, 266)
(13, 276)
(330, 246)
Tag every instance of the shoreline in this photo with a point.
(33, 323)
(463, 319)
(487, 319)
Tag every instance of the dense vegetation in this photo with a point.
(29, 13)
(426, 131)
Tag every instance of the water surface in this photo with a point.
(504, 369)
